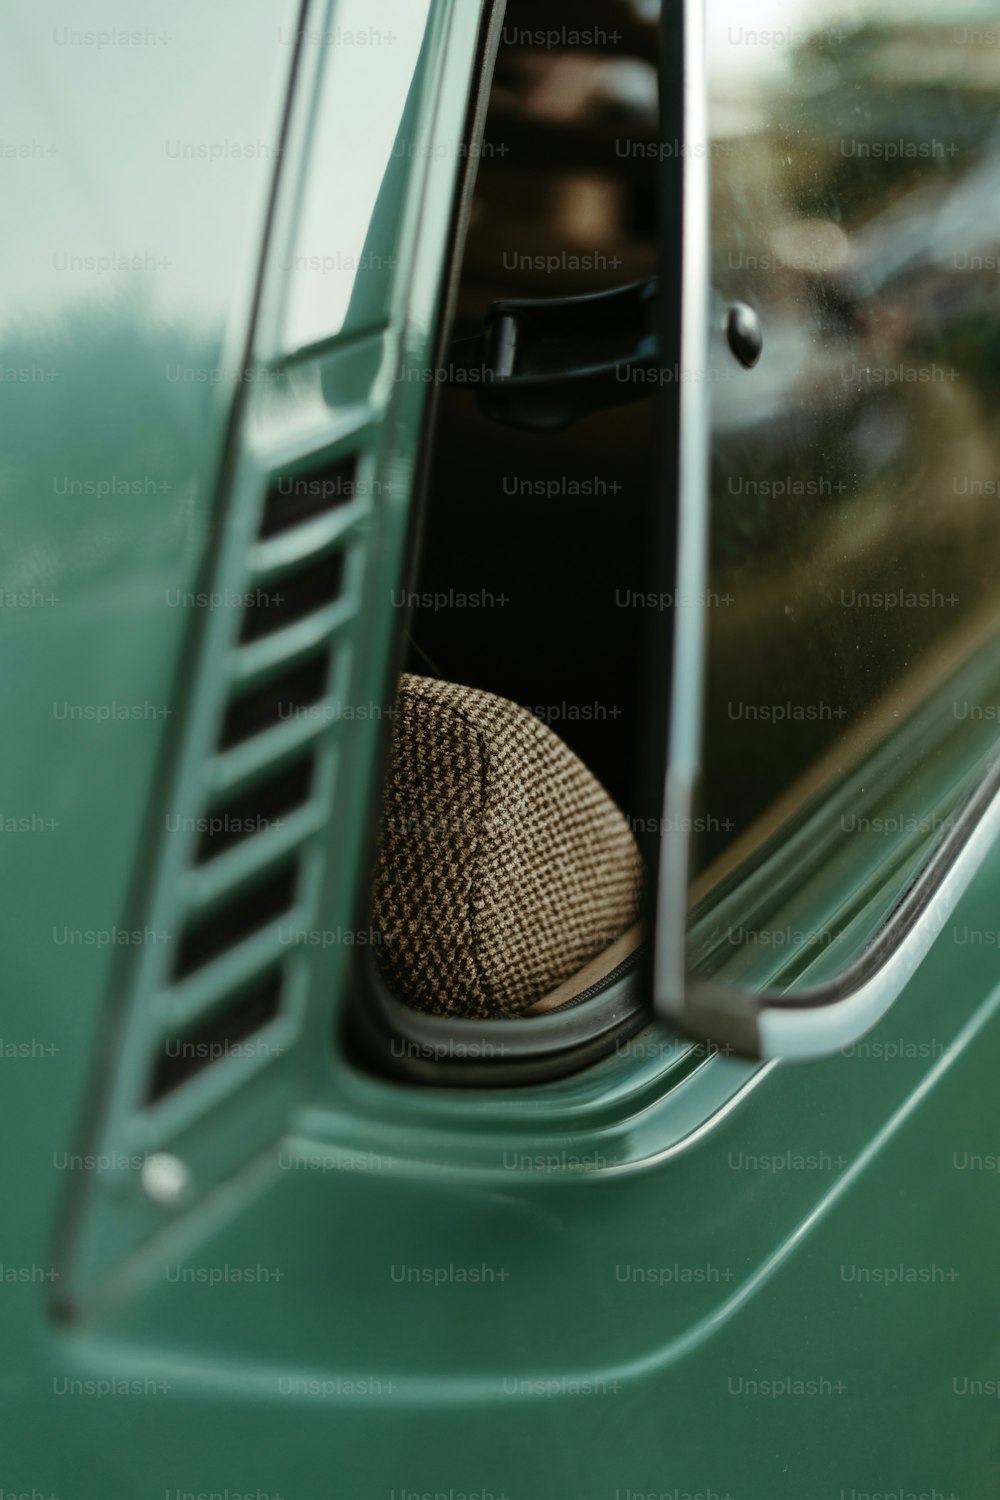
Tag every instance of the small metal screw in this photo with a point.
(165, 1178)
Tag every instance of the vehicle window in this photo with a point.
(338, 281)
(855, 544)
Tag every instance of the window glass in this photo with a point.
(344, 252)
(855, 497)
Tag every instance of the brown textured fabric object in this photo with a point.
(503, 866)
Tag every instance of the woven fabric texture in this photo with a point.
(503, 865)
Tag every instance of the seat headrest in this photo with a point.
(503, 866)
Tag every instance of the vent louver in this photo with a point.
(219, 1004)
(292, 597)
(266, 805)
(285, 696)
(255, 808)
(184, 1056)
(297, 499)
(234, 920)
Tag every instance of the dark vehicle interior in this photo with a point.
(531, 571)
(546, 527)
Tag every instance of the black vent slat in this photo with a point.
(280, 698)
(273, 606)
(255, 811)
(235, 920)
(182, 1057)
(295, 499)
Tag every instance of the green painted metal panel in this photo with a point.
(670, 1274)
(138, 194)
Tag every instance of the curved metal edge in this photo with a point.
(685, 195)
(823, 1020)
(437, 1051)
(517, 1036)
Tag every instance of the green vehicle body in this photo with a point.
(676, 1272)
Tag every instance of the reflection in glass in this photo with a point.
(345, 248)
(855, 532)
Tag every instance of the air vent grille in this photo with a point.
(250, 802)
(283, 697)
(242, 865)
(297, 498)
(233, 921)
(266, 805)
(291, 597)
(259, 798)
(220, 1037)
